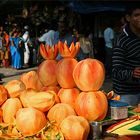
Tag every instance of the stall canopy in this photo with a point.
(80, 6)
(85, 7)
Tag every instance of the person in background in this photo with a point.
(27, 42)
(126, 59)
(51, 36)
(15, 44)
(86, 48)
(6, 43)
(109, 43)
(76, 34)
(21, 48)
(1, 46)
(65, 35)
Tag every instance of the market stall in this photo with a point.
(63, 100)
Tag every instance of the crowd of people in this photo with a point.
(14, 51)
(18, 49)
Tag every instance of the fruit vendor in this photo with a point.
(126, 59)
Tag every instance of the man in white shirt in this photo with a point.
(109, 42)
(50, 38)
(26, 40)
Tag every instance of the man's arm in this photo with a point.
(119, 69)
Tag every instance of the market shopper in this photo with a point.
(1, 46)
(15, 44)
(126, 59)
(109, 43)
(6, 62)
(86, 48)
(27, 42)
(51, 36)
(65, 35)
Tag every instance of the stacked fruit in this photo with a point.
(58, 100)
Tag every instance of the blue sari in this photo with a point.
(15, 53)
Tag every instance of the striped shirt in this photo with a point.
(126, 56)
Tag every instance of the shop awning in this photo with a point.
(85, 8)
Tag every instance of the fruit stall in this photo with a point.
(62, 100)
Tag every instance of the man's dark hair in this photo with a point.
(131, 8)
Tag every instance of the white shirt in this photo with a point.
(1, 44)
(26, 39)
(108, 36)
(50, 38)
(26, 36)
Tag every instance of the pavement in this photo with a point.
(8, 74)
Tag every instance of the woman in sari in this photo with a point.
(15, 44)
(6, 43)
